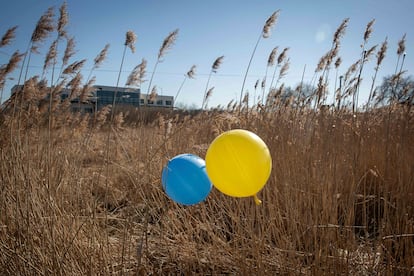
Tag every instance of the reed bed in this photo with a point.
(81, 194)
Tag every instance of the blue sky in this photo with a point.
(209, 29)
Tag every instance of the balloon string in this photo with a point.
(257, 200)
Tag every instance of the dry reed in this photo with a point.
(338, 201)
(214, 67)
(189, 75)
(270, 22)
(8, 37)
(167, 44)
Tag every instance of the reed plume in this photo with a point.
(7, 69)
(380, 57)
(270, 22)
(364, 57)
(11, 65)
(263, 83)
(189, 75)
(381, 53)
(166, 45)
(326, 61)
(63, 20)
(368, 30)
(87, 90)
(340, 31)
(337, 64)
(370, 52)
(401, 52)
(246, 99)
(153, 95)
(130, 39)
(69, 51)
(284, 69)
(256, 84)
(50, 58)
(401, 45)
(216, 65)
(282, 56)
(67, 54)
(102, 116)
(101, 56)
(118, 121)
(137, 75)
(43, 27)
(98, 60)
(75, 85)
(270, 62)
(255, 90)
(207, 97)
(8, 37)
(74, 67)
(272, 56)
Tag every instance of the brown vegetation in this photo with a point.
(81, 194)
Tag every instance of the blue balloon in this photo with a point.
(185, 179)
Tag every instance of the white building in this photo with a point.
(160, 101)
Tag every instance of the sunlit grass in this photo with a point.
(81, 194)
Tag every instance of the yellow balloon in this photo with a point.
(238, 163)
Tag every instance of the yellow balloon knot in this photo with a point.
(257, 200)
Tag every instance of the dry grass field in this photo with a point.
(82, 195)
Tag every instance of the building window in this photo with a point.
(159, 102)
(150, 102)
(168, 102)
(142, 101)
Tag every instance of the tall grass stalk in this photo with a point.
(400, 51)
(130, 39)
(270, 22)
(214, 67)
(7, 39)
(51, 60)
(380, 57)
(270, 62)
(325, 63)
(136, 77)
(189, 75)
(364, 57)
(280, 60)
(8, 68)
(338, 200)
(42, 30)
(167, 44)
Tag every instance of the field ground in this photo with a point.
(81, 196)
